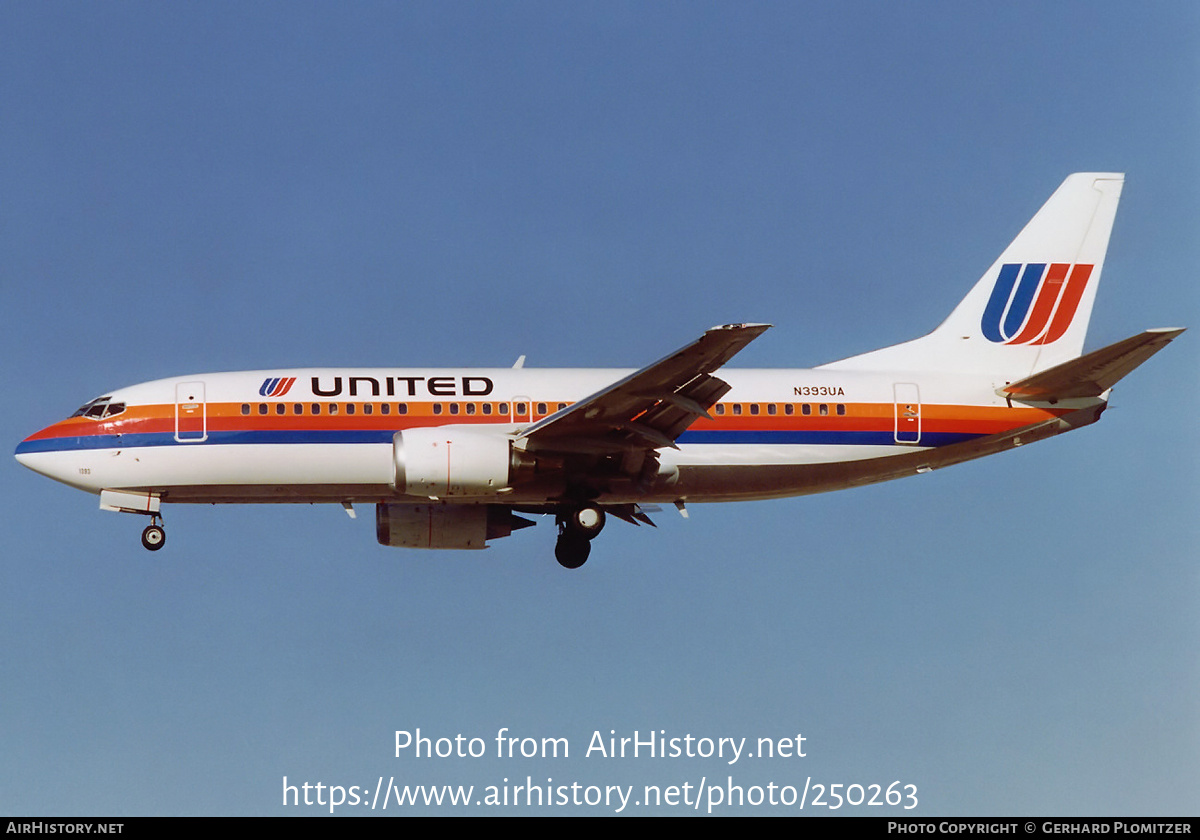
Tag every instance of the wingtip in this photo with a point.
(743, 326)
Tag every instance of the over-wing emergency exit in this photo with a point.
(452, 458)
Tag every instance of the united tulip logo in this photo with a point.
(1038, 307)
(277, 386)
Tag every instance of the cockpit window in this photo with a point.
(86, 407)
(100, 408)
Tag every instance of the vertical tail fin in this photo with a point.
(1030, 310)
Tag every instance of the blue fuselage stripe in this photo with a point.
(729, 437)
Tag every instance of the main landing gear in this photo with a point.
(154, 536)
(577, 527)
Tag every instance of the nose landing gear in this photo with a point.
(143, 503)
(154, 537)
(577, 527)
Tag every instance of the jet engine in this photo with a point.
(443, 526)
(449, 462)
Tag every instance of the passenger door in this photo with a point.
(191, 412)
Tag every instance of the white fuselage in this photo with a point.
(327, 434)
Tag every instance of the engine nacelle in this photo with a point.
(451, 462)
(443, 526)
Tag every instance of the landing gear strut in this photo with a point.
(577, 527)
(154, 536)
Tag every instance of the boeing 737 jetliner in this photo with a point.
(450, 457)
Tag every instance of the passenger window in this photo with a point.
(806, 409)
(504, 409)
(772, 408)
(754, 408)
(280, 408)
(368, 408)
(841, 410)
(402, 408)
(316, 409)
(297, 408)
(720, 409)
(737, 408)
(471, 408)
(262, 408)
(824, 410)
(245, 408)
(487, 408)
(789, 409)
(541, 408)
(437, 408)
(349, 408)
(333, 409)
(385, 408)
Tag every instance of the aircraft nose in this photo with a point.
(40, 453)
(33, 456)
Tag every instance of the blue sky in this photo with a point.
(202, 187)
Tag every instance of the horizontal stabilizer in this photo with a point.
(1092, 374)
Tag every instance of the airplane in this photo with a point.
(451, 457)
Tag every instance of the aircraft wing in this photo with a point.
(1091, 374)
(650, 408)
